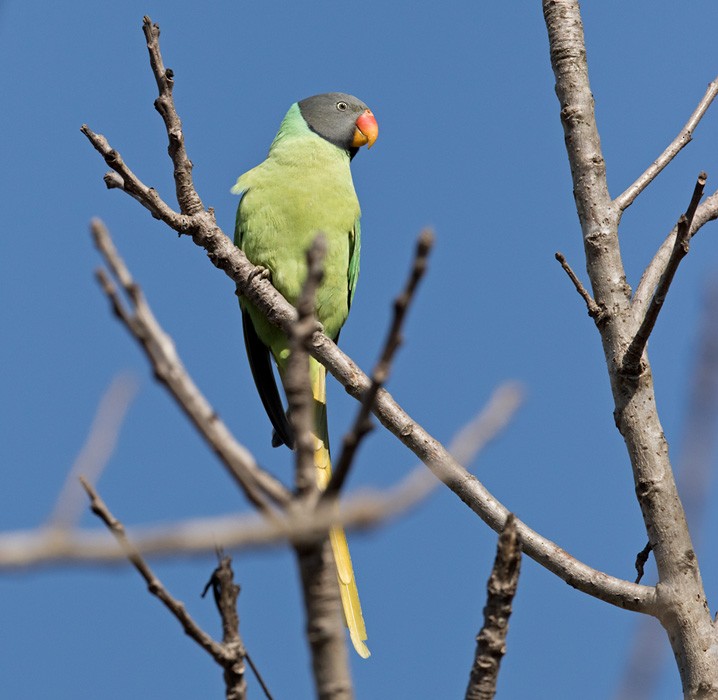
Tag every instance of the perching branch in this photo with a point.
(626, 198)
(491, 640)
(224, 255)
(632, 358)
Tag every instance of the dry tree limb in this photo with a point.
(626, 198)
(706, 212)
(491, 640)
(680, 600)
(225, 592)
(632, 357)
(260, 488)
(594, 310)
(154, 585)
(362, 423)
(205, 233)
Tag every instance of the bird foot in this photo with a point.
(262, 272)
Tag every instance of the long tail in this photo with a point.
(322, 460)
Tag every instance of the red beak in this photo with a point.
(366, 130)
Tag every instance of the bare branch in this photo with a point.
(594, 310)
(128, 182)
(154, 585)
(226, 592)
(491, 640)
(706, 212)
(187, 196)
(625, 199)
(681, 605)
(632, 358)
(160, 350)
(224, 255)
(362, 423)
(96, 451)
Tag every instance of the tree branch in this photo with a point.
(187, 196)
(491, 640)
(707, 211)
(154, 585)
(680, 603)
(632, 358)
(225, 592)
(594, 310)
(225, 256)
(626, 198)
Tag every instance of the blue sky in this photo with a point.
(471, 144)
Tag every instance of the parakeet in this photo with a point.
(304, 188)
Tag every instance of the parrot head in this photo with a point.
(341, 119)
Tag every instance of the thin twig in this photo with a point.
(257, 484)
(594, 310)
(632, 357)
(707, 211)
(626, 198)
(501, 589)
(154, 585)
(96, 451)
(362, 423)
(225, 592)
(187, 196)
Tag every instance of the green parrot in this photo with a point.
(305, 187)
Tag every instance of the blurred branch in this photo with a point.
(365, 509)
(229, 656)
(96, 451)
(491, 640)
(626, 198)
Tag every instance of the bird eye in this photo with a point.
(342, 106)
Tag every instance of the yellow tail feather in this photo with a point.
(340, 548)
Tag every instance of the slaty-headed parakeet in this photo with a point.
(304, 188)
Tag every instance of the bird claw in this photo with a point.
(262, 272)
